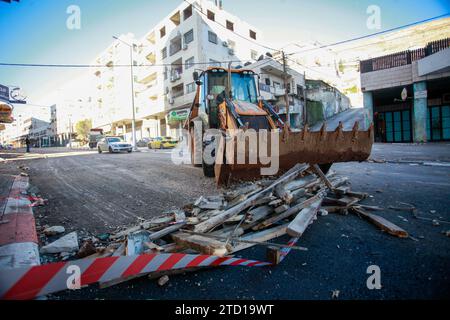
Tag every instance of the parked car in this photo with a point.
(162, 143)
(114, 144)
(143, 142)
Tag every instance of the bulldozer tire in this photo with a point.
(194, 145)
(325, 167)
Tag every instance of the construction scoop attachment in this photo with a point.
(276, 152)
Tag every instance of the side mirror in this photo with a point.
(195, 76)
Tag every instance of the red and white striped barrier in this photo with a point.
(18, 237)
(32, 282)
(36, 281)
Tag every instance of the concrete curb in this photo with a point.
(18, 236)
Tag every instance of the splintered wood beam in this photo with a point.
(291, 211)
(382, 223)
(253, 239)
(202, 244)
(305, 217)
(319, 172)
(231, 212)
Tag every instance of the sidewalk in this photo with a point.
(429, 153)
(18, 237)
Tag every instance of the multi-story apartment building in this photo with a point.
(191, 38)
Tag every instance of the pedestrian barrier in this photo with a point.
(32, 282)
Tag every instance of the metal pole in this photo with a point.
(305, 115)
(286, 96)
(133, 122)
(70, 131)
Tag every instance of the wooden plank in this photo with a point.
(369, 208)
(258, 213)
(382, 223)
(153, 246)
(305, 217)
(293, 210)
(273, 255)
(220, 218)
(262, 236)
(319, 172)
(201, 244)
(165, 231)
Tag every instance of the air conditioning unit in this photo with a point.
(231, 52)
(185, 46)
(225, 44)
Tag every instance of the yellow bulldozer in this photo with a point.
(227, 108)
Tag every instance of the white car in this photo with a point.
(114, 144)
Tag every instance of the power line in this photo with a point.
(223, 26)
(372, 35)
(113, 66)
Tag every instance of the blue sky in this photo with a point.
(34, 31)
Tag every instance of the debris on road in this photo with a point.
(67, 243)
(163, 281)
(221, 225)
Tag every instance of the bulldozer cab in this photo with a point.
(242, 95)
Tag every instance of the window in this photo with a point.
(230, 25)
(164, 53)
(268, 81)
(211, 16)
(254, 54)
(189, 36)
(253, 34)
(187, 13)
(190, 87)
(212, 37)
(162, 32)
(189, 63)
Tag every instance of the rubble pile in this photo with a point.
(250, 214)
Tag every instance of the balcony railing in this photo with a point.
(403, 58)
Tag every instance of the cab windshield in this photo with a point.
(112, 140)
(243, 86)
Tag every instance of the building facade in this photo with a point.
(323, 101)
(272, 89)
(190, 38)
(408, 94)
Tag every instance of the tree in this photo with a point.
(82, 129)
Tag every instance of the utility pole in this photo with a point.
(133, 122)
(286, 95)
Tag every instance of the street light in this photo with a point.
(133, 122)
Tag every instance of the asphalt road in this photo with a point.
(100, 192)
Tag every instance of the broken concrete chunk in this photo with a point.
(163, 280)
(68, 243)
(53, 231)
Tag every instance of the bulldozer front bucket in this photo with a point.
(321, 147)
